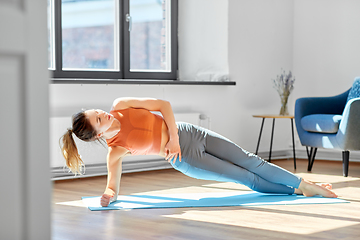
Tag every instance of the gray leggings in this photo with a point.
(209, 156)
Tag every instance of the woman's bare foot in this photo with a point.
(325, 185)
(309, 189)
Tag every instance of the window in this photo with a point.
(113, 39)
(51, 47)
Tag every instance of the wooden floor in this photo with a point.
(71, 220)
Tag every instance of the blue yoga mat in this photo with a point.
(210, 199)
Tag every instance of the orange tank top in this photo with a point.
(140, 131)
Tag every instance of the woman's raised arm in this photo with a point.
(172, 148)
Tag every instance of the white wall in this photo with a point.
(260, 44)
(316, 39)
(326, 51)
(326, 46)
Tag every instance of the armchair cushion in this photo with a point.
(355, 90)
(321, 123)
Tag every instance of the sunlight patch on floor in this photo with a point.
(192, 189)
(77, 203)
(355, 196)
(320, 178)
(264, 220)
(208, 188)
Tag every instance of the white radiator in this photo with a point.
(94, 154)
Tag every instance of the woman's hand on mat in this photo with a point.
(105, 199)
(172, 150)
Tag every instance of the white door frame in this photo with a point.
(24, 121)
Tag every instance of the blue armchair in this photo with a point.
(331, 123)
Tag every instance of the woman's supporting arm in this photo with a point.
(114, 166)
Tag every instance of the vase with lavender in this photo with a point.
(284, 84)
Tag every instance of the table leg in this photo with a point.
(293, 142)
(271, 141)
(262, 125)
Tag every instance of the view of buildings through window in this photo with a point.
(148, 34)
(90, 35)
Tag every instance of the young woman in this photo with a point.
(130, 128)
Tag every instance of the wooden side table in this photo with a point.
(272, 132)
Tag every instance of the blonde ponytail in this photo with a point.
(70, 152)
(83, 130)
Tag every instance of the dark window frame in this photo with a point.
(124, 41)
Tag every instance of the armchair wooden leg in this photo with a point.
(345, 159)
(311, 157)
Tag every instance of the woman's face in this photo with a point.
(100, 120)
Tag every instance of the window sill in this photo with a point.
(134, 81)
